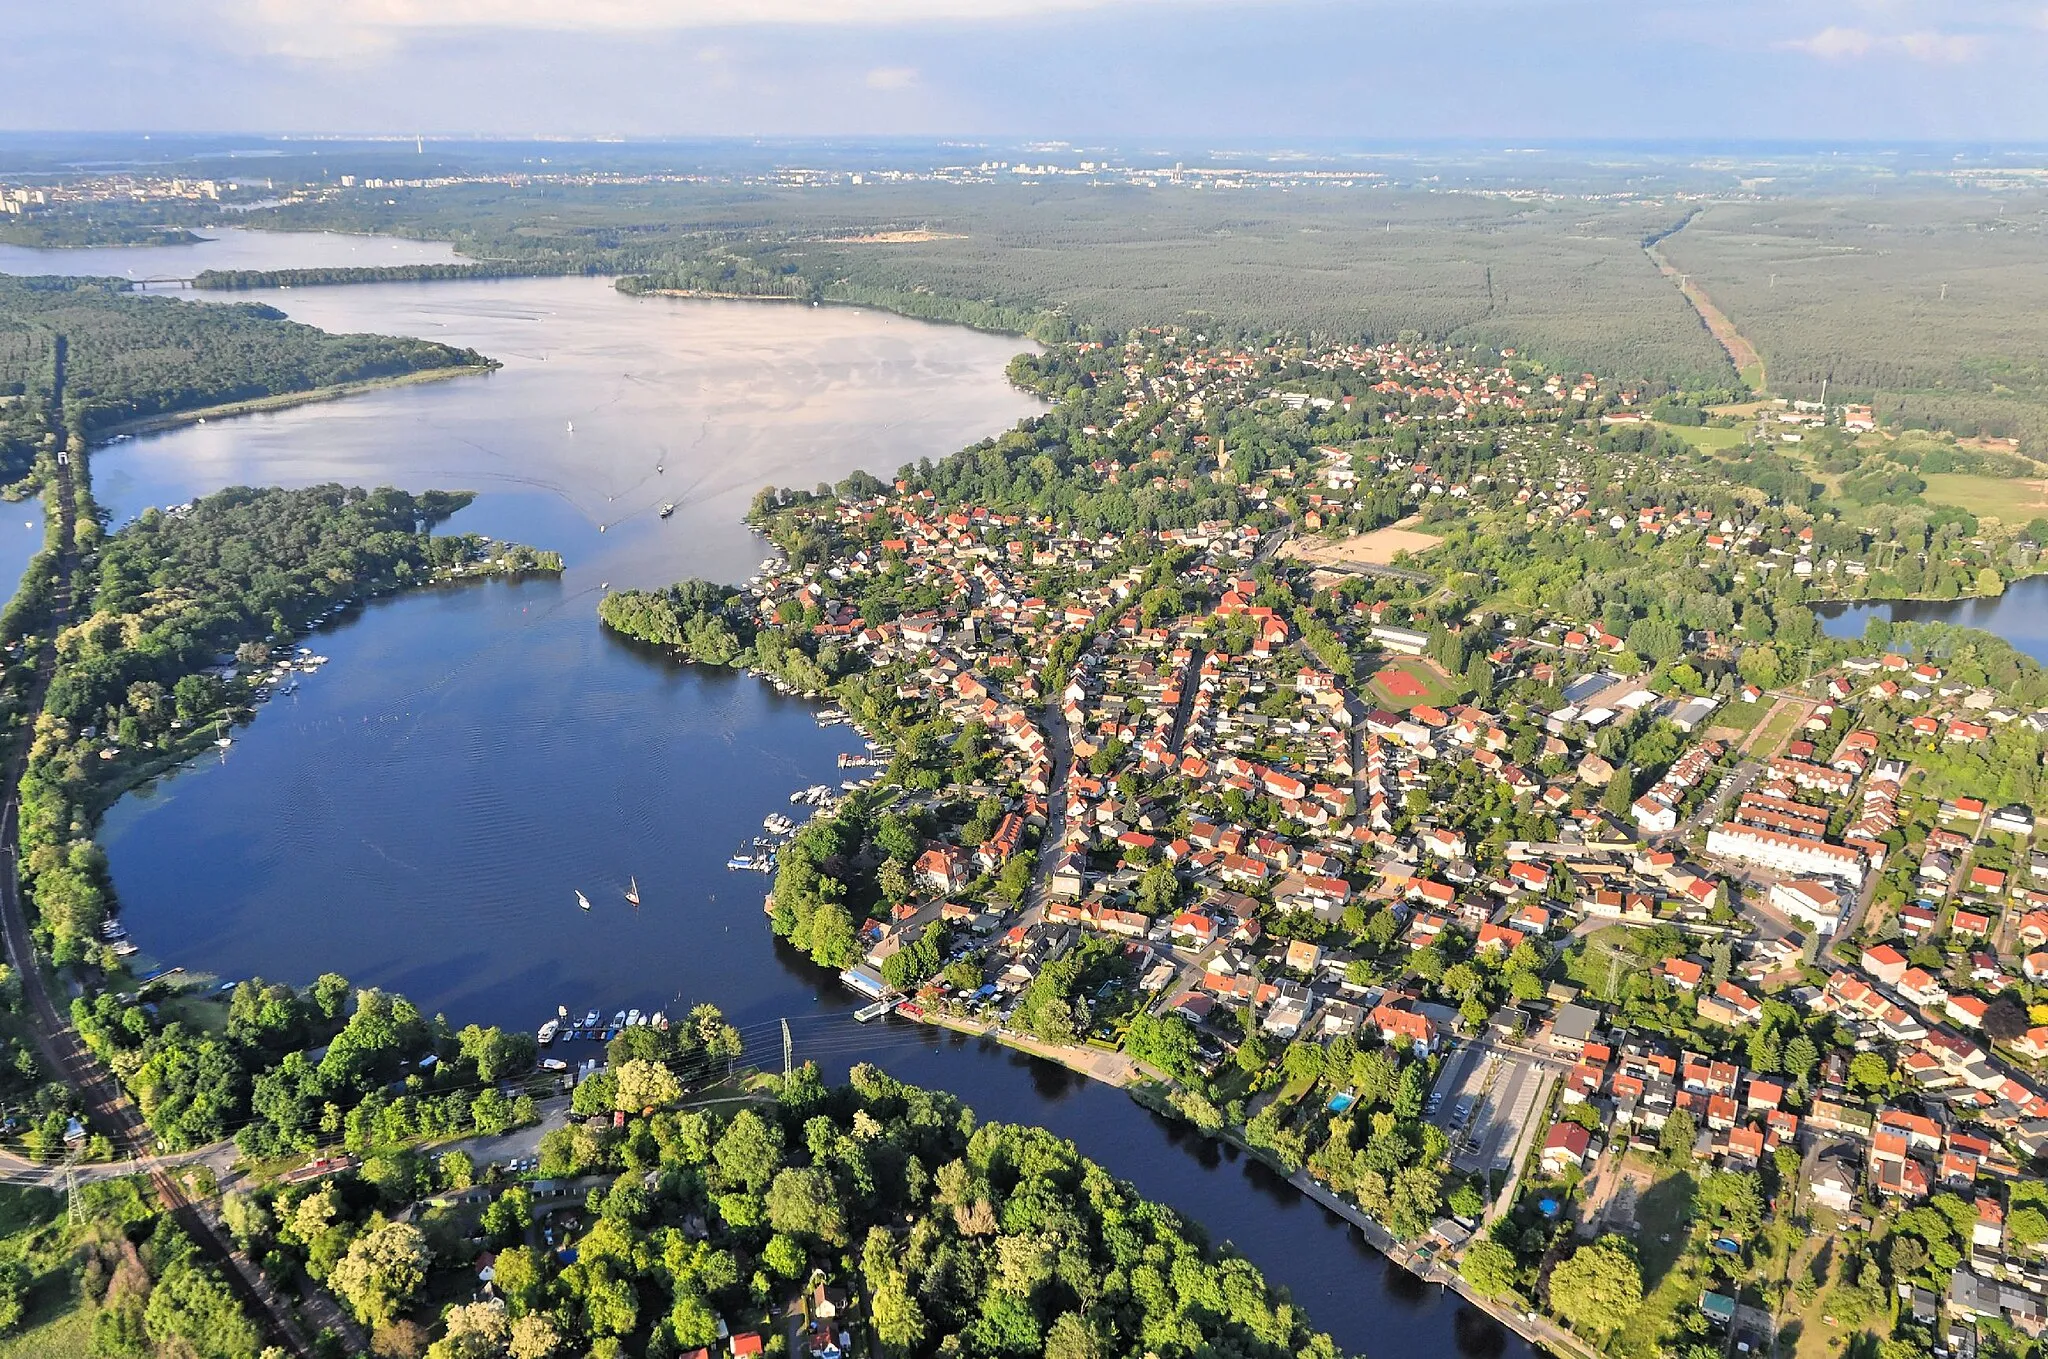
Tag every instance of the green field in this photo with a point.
(2009, 500)
(1779, 730)
(1707, 438)
(1739, 717)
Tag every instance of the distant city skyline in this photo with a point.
(1820, 69)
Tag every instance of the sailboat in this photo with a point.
(633, 892)
(582, 901)
(572, 426)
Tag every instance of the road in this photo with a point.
(1052, 844)
(1715, 808)
(513, 1145)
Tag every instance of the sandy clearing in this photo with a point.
(1377, 548)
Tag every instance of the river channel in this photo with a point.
(420, 815)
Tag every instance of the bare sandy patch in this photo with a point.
(1377, 548)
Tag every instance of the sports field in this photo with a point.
(1406, 681)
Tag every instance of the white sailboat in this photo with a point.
(572, 426)
(633, 891)
(582, 900)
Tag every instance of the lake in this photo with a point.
(420, 814)
(229, 248)
(2020, 615)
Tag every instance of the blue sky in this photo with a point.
(1218, 69)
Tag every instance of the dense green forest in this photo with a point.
(1565, 280)
(295, 1068)
(1932, 307)
(122, 355)
(240, 280)
(940, 1235)
(69, 231)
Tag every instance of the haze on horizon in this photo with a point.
(1851, 70)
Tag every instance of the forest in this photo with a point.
(71, 231)
(295, 1068)
(1928, 307)
(242, 280)
(120, 355)
(931, 1234)
(1566, 280)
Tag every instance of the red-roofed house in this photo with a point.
(1565, 1148)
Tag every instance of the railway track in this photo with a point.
(107, 1106)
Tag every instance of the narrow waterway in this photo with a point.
(420, 814)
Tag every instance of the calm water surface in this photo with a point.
(421, 813)
(21, 537)
(228, 248)
(2020, 615)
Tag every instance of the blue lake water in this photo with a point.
(2020, 615)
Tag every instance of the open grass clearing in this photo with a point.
(1663, 1231)
(1736, 719)
(1710, 438)
(2010, 500)
(1770, 738)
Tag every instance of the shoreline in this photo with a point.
(152, 424)
(1834, 608)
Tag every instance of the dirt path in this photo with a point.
(1749, 364)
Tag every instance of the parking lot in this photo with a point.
(1483, 1100)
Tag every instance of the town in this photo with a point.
(1429, 775)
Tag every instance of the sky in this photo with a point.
(1846, 70)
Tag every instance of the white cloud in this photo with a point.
(892, 77)
(1940, 46)
(1836, 43)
